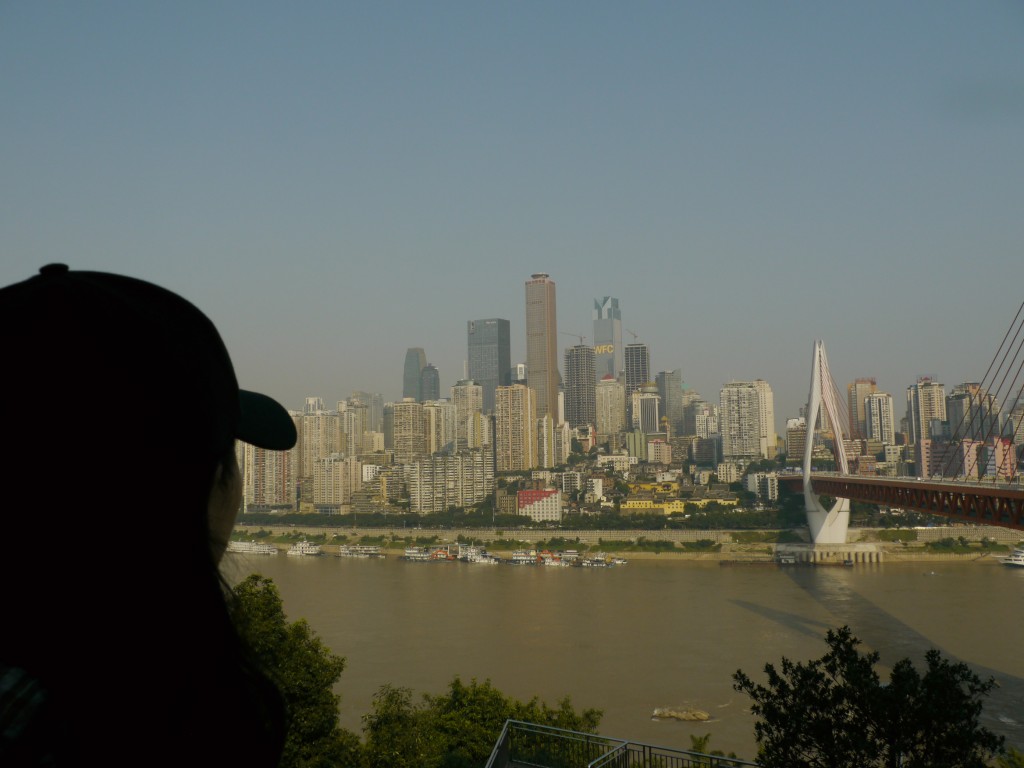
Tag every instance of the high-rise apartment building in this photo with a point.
(766, 405)
(542, 343)
(646, 410)
(742, 411)
(490, 356)
(468, 397)
(408, 433)
(439, 426)
(580, 402)
(608, 360)
(269, 478)
(610, 396)
(430, 383)
(415, 361)
(972, 412)
(856, 393)
(515, 428)
(926, 402)
(374, 402)
(880, 423)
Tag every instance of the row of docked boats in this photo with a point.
(298, 549)
(479, 555)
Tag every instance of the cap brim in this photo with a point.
(264, 422)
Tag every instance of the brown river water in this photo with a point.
(653, 633)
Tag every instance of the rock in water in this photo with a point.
(680, 714)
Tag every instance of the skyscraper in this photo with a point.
(468, 398)
(670, 387)
(856, 392)
(747, 420)
(611, 407)
(515, 428)
(542, 343)
(638, 367)
(490, 356)
(607, 338)
(415, 360)
(580, 402)
(879, 421)
(926, 402)
(430, 383)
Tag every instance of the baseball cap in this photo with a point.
(104, 341)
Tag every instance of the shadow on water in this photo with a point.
(894, 639)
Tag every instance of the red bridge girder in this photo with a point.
(968, 502)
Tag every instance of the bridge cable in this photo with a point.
(984, 408)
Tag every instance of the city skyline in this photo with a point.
(336, 186)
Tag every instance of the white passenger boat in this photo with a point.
(1015, 558)
(360, 550)
(418, 554)
(524, 557)
(304, 548)
(252, 548)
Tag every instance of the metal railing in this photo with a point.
(528, 745)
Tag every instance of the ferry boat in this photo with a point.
(252, 548)
(524, 557)
(1015, 558)
(360, 550)
(477, 555)
(417, 554)
(304, 548)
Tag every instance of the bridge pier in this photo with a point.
(831, 554)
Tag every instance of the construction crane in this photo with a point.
(579, 336)
(634, 334)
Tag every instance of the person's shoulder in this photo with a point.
(24, 702)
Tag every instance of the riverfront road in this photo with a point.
(998, 504)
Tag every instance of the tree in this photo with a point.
(834, 712)
(305, 671)
(457, 728)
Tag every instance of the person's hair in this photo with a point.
(114, 602)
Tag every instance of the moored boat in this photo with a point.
(252, 548)
(1015, 558)
(304, 549)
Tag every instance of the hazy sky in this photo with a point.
(335, 182)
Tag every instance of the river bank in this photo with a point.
(864, 546)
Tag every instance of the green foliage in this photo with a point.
(1013, 758)
(958, 546)
(835, 712)
(455, 729)
(304, 669)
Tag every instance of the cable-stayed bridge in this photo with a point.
(968, 475)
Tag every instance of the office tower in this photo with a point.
(415, 360)
(374, 402)
(490, 356)
(739, 421)
(926, 402)
(769, 443)
(638, 367)
(430, 383)
(856, 392)
(610, 396)
(608, 359)
(646, 410)
(408, 435)
(878, 418)
(542, 343)
(670, 388)
(515, 428)
(580, 403)
(468, 398)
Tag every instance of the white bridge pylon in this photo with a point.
(828, 526)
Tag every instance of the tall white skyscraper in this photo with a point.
(878, 418)
(746, 418)
(608, 359)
